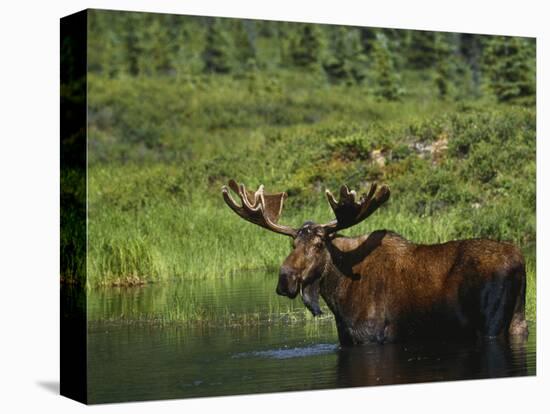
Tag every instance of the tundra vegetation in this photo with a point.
(179, 105)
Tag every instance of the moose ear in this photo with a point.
(310, 297)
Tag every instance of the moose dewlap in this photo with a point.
(383, 288)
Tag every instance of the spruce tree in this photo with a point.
(368, 38)
(397, 41)
(385, 77)
(175, 43)
(346, 62)
(107, 56)
(217, 54)
(444, 66)
(159, 43)
(454, 71)
(421, 51)
(470, 48)
(306, 46)
(267, 28)
(131, 23)
(510, 65)
(244, 36)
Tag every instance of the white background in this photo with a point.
(29, 205)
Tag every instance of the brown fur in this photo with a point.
(383, 288)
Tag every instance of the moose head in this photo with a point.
(312, 253)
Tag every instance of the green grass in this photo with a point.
(160, 149)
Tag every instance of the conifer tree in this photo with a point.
(217, 54)
(368, 38)
(131, 24)
(346, 61)
(470, 48)
(385, 77)
(421, 51)
(398, 40)
(510, 65)
(444, 66)
(158, 43)
(108, 54)
(306, 46)
(244, 41)
(175, 42)
(267, 28)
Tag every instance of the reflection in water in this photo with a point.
(132, 358)
(433, 361)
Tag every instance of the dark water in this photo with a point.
(133, 356)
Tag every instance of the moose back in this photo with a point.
(383, 288)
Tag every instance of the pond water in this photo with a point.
(236, 336)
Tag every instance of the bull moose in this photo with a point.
(383, 288)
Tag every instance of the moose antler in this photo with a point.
(348, 212)
(258, 208)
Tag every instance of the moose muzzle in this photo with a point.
(288, 282)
